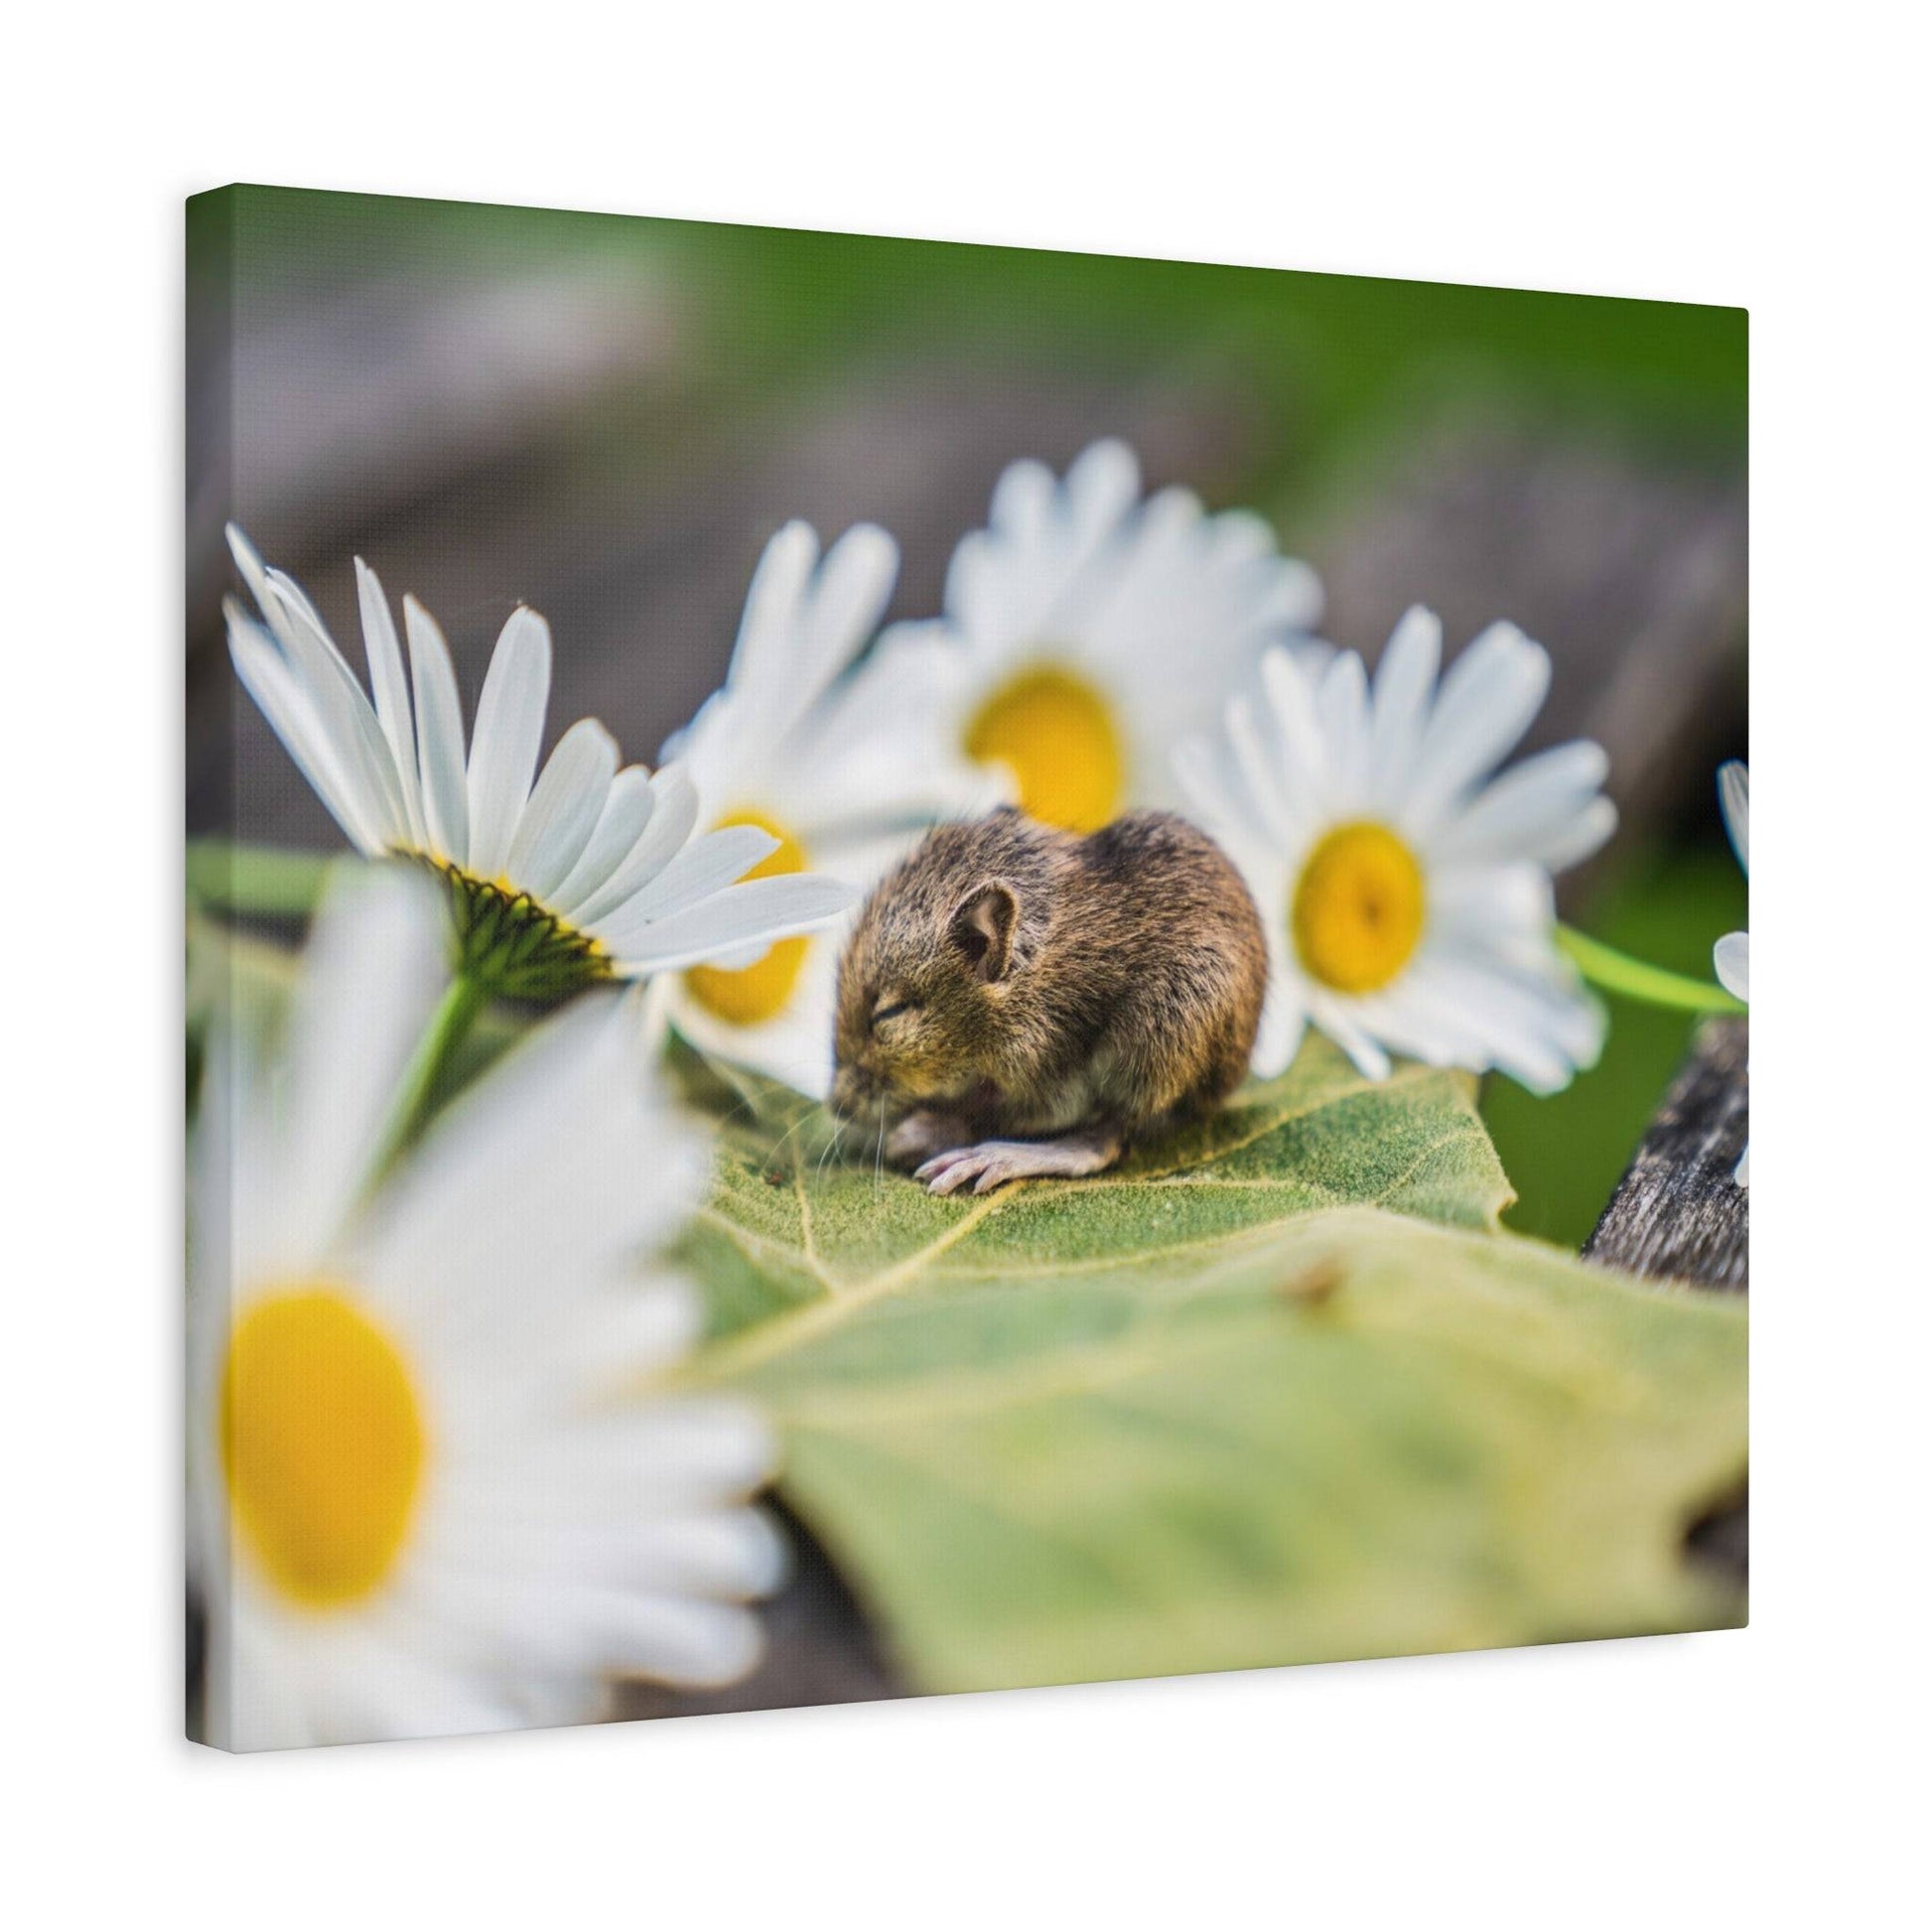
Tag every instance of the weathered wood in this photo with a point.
(1679, 1213)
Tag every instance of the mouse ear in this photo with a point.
(982, 928)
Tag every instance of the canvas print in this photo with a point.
(918, 968)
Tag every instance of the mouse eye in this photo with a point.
(879, 1015)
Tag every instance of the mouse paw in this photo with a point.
(923, 1134)
(991, 1163)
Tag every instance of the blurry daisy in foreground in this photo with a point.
(1087, 630)
(425, 1495)
(1405, 890)
(837, 769)
(588, 873)
(1733, 954)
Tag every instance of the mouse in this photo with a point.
(1019, 1002)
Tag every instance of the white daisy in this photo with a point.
(1404, 891)
(1087, 630)
(838, 768)
(590, 873)
(426, 1494)
(1733, 954)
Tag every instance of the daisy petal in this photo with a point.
(627, 811)
(779, 586)
(510, 735)
(1731, 957)
(1486, 702)
(758, 908)
(1543, 807)
(1284, 1020)
(1735, 796)
(1303, 753)
(1405, 682)
(340, 704)
(704, 867)
(285, 702)
(846, 601)
(390, 684)
(1342, 706)
(439, 736)
(736, 1553)
(564, 809)
(1335, 1020)
(673, 813)
(375, 966)
(684, 1642)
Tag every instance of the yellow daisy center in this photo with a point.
(1358, 908)
(322, 1444)
(1057, 735)
(755, 993)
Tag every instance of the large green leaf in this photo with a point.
(794, 1219)
(1276, 1392)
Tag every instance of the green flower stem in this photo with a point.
(425, 1079)
(1636, 979)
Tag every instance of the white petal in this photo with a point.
(340, 700)
(339, 703)
(390, 684)
(1284, 1020)
(1735, 796)
(510, 735)
(1331, 1014)
(1206, 773)
(1545, 809)
(564, 809)
(1491, 904)
(559, 1165)
(848, 598)
(1260, 777)
(1732, 959)
(760, 908)
(627, 811)
(285, 702)
(439, 736)
(1299, 747)
(1405, 682)
(673, 813)
(767, 633)
(1342, 706)
(706, 866)
(734, 1552)
(1537, 1027)
(1101, 486)
(1024, 498)
(794, 1046)
(677, 1641)
(374, 964)
(1485, 704)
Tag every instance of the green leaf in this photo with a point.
(267, 881)
(1275, 1392)
(794, 1220)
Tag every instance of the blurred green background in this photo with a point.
(606, 417)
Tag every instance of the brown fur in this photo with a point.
(1051, 983)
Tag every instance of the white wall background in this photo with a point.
(1672, 150)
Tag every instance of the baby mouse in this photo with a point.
(1018, 1000)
